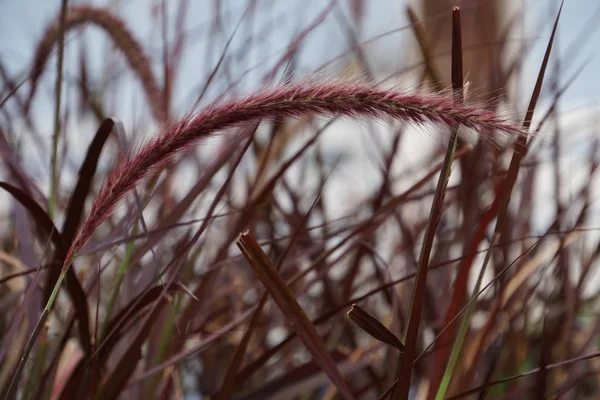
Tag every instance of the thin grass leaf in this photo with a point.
(43, 221)
(305, 378)
(117, 380)
(230, 383)
(131, 310)
(116, 330)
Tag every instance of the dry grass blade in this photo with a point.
(285, 300)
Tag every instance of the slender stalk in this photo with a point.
(410, 335)
(57, 101)
(521, 148)
(464, 329)
(401, 391)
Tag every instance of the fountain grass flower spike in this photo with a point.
(309, 96)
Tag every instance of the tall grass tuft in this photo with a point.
(252, 225)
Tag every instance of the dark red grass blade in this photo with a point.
(521, 145)
(73, 218)
(284, 298)
(230, 383)
(86, 174)
(130, 311)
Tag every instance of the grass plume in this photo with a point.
(294, 100)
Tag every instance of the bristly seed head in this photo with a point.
(303, 97)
